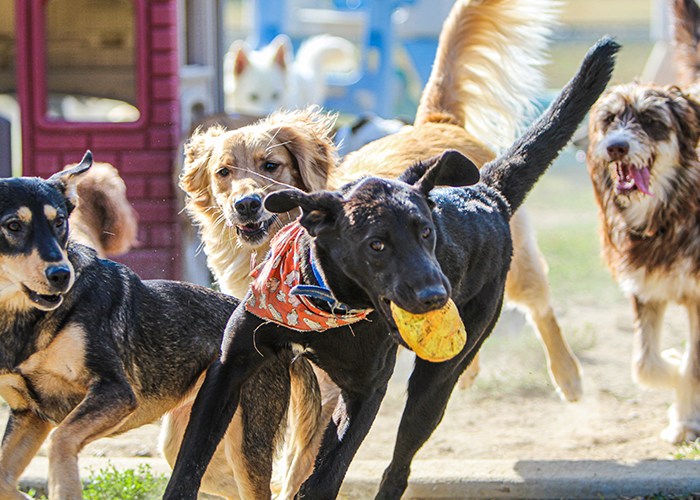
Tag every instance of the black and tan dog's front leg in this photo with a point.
(24, 434)
(107, 404)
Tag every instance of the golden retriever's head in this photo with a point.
(642, 137)
(228, 173)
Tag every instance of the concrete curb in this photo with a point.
(475, 479)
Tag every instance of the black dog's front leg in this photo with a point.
(213, 409)
(429, 390)
(351, 422)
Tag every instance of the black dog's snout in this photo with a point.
(58, 276)
(433, 297)
(618, 149)
(248, 205)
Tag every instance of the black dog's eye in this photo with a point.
(14, 226)
(271, 166)
(377, 246)
(426, 232)
(223, 172)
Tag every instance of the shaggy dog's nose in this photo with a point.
(618, 150)
(58, 276)
(248, 205)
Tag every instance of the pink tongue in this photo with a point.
(641, 179)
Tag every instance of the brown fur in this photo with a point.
(300, 143)
(651, 244)
(460, 111)
(104, 219)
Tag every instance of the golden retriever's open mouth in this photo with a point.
(43, 301)
(631, 178)
(254, 232)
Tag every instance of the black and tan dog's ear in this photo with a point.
(320, 210)
(451, 168)
(66, 180)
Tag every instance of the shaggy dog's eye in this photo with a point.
(14, 226)
(609, 119)
(271, 166)
(377, 246)
(426, 232)
(647, 120)
(223, 172)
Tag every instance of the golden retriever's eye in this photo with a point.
(254, 97)
(14, 226)
(271, 166)
(223, 172)
(377, 246)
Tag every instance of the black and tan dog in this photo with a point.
(373, 242)
(90, 350)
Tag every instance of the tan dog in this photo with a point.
(644, 165)
(103, 219)
(468, 105)
(226, 175)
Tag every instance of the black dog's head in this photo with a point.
(34, 214)
(380, 233)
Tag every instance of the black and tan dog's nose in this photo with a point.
(58, 276)
(248, 205)
(618, 150)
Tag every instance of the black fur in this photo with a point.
(379, 241)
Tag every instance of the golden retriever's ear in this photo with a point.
(194, 180)
(307, 134)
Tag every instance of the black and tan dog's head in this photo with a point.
(380, 234)
(36, 272)
(227, 173)
(642, 137)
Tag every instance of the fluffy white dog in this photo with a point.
(258, 82)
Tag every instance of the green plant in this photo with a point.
(129, 484)
(688, 451)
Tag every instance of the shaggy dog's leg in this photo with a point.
(650, 367)
(24, 434)
(528, 287)
(685, 413)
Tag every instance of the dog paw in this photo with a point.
(567, 377)
(672, 356)
(681, 432)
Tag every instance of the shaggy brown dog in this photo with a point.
(467, 105)
(104, 219)
(644, 166)
(226, 175)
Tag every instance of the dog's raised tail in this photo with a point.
(686, 37)
(515, 172)
(487, 69)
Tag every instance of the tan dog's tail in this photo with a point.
(104, 219)
(686, 36)
(488, 67)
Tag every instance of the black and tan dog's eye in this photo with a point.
(59, 222)
(377, 246)
(14, 226)
(223, 172)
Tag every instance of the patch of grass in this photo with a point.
(130, 484)
(689, 451)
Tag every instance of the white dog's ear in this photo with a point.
(283, 52)
(241, 61)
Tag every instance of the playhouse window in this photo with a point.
(91, 61)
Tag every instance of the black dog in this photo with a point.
(375, 242)
(88, 348)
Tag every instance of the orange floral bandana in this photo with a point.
(274, 297)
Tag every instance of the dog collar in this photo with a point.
(278, 294)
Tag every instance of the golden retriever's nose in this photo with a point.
(618, 149)
(248, 205)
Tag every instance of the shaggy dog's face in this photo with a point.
(228, 173)
(639, 136)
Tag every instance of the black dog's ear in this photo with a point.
(451, 168)
(319, 210)
(66, 180)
